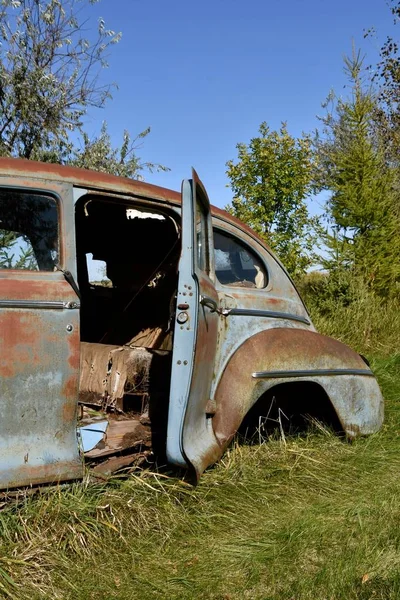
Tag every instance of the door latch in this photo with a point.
(213, 306)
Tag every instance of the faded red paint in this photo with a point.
(27, 475)
(16, 329)
(6, 371)
(74, 349)
(70, 388)
(69, 408)
(30, 285)
(84, 178)
(19, 340)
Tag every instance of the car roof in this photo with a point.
(112, 183)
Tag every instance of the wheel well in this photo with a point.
(289, 408)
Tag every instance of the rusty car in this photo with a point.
(138, 323)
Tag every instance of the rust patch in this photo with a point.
(109, 372)
(121, 435)
(274, 349)
(70, 387)
(15, 330)
(6, 371)
(74, 349)
(83, 178)
(31, 285)
(19, 342)
(69, 412)
(26, 475)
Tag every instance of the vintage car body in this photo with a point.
(190, 330)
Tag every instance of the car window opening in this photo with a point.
(236, 264)
(28, 231)
(127, 265)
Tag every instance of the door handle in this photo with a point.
(209, 302)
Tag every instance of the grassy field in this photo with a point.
(310, 517)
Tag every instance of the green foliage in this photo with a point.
(49, 73)
(363, 205)
(13, 257)
(98, 154)
(270, 182)
(387, 75)
(49, 69)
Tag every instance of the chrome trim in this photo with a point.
(253, 312)
(311, 372)
(38, 304)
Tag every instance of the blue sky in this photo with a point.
(204, 75)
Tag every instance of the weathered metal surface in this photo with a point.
(356, 399)
(251, 311)
(121, 435)
(195, 340)
(310, 373)
(21, 304)
(35, 286)
(271, 314)
(39, 365)
(39, 361)
(109, 372)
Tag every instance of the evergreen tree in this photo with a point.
(362, 208)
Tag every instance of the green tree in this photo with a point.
(353, 167)
(49, 73)
(98, 154)
(12, 255)
(270, 181)
(387, 76)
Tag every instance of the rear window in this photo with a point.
(28, 231)
(236, 264)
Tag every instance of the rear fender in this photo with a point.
(288, 355)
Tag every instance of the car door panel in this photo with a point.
(39, 364)
(195, 337)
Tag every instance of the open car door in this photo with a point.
(190, 437)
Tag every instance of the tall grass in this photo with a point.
(370, 325)
(350, 312)
(315, 518)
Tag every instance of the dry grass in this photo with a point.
(315, 518)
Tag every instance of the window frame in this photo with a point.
(232, 232)
(203, 253)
